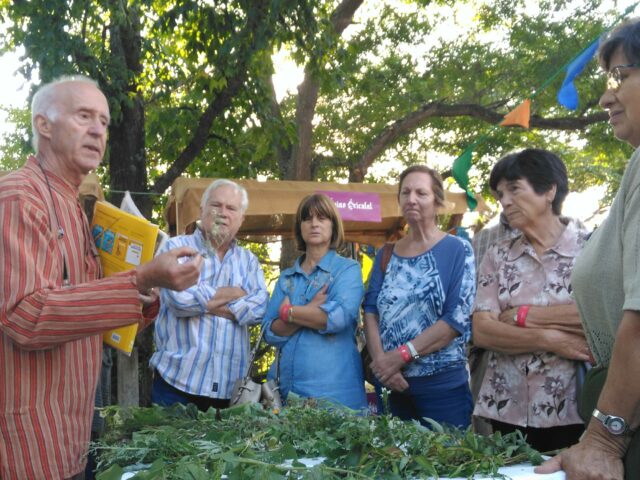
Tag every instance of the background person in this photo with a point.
(313, 312)
(54, 306)
(524, 313)
(606, 282)
(202, 333)
(417, 316)
(489, 236)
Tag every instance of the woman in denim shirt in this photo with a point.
(313, 312)
(418, 313)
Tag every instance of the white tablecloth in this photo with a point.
(514, 472)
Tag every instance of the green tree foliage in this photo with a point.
(193, 80)
(178, 75)
(14, 146)
(405, 87)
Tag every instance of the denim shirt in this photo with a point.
(416, 292)
(321, 363)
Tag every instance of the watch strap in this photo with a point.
(413, 351)
(610, 421)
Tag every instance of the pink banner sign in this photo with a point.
(357, 206)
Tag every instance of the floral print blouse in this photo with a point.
(535, 389)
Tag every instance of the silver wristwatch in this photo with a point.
(616, 425)
(413, 351)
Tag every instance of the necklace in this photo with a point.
(65, 272)
(53, 205)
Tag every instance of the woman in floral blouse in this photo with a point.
(524, 314)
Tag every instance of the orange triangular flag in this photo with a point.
(519, 115)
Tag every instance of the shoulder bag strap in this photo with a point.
(278, 367)
(385, 258)
(252, 356)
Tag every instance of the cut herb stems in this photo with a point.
(249, 442)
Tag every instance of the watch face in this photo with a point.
(616, 425)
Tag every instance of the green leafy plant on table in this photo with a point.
(249, 442)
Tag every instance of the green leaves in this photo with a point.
(248, 442)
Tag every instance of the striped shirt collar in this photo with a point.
(59, 184)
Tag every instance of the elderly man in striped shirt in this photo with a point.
(201, 334)
(54, 305)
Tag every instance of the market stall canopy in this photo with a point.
(273, 205)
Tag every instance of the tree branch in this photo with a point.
(282, 143)
(391, 133)
(220, 102)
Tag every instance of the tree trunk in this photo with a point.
(308, 91)
(127, 170)
(288, 253)
(305, 109)
(298, 165)
(128, 392)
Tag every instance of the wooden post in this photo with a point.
(128, 389)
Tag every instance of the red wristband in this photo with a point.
(284, 312)
(521, 317)
(405, 353)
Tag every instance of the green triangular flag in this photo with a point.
(460, 171)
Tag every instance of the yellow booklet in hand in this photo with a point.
(124, 241)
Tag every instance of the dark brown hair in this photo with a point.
(322, 206)
(436, 181)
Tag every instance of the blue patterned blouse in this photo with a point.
(416, 292)
(321, 363)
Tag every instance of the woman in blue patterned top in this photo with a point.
(417, 312)
(313, 312)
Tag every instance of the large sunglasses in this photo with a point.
(614, 77)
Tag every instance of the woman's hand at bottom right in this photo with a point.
(594, 458)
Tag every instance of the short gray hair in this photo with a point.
(221, 182)
(45, 102)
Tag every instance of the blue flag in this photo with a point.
(568, 95)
